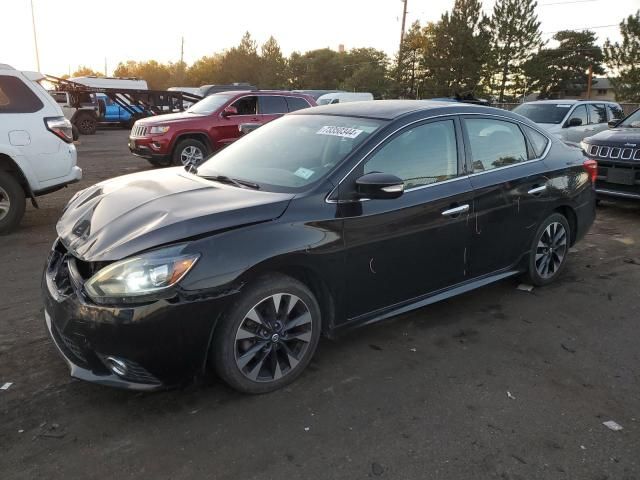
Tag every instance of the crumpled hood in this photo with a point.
(617, 136)
(168, 118)
(125, 215)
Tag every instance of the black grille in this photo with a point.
(137, 373)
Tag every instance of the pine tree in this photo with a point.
(563, 70)
(273, 65)
(623, 59)
(457, 47)
(515, 38)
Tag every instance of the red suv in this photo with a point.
(209, 125)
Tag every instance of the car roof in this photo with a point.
(240, 93)
(392, 109)
(569, 101)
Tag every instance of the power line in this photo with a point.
(584, 28)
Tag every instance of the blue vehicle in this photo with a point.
(111, 112)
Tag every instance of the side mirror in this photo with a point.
(613, 123)
(229, 111)
(574, 122)
(379, 186)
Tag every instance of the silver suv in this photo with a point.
(571, 120)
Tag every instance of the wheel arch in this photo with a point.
(7, 164)
(195, 135)
(570, 214)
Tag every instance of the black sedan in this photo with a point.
(318, 222)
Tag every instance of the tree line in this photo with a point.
(465, 53)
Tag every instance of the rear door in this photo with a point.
(509, 189)
(296, 103)
(271, 107)
(399, 249)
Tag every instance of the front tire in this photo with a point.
(86, 124)
(190, 152)
(268, 336)
(549, 250)
(12, 202)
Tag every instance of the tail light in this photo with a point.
(60, 127)
(591, 167)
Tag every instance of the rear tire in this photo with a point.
(86, 124)
(12, 202)
(189, 151)
(549, 250)
(268, 336)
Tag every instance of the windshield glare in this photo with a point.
(292, 152)
(543, 112)
(632, 121)
(209, 104)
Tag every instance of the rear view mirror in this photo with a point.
(229, 111)
(613, 123)
(379, 186)
(574, 122)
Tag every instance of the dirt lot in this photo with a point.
(497, 383)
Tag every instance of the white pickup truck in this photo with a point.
(37, 154)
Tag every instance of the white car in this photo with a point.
(571, 120)
(37, 155)
(342, 97)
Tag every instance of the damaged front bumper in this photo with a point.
(138, 347)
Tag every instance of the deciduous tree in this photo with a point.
(623, 60)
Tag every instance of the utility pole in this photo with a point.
(35, 37)
(404, 19)
(105, 66)
(181, 76)
(590, 79)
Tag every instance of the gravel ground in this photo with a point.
(496, 383)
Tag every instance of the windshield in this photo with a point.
(543, 112)
(632, 120)
(290, 153)
(324, 101)
(209, 104)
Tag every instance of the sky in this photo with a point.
(86, 32)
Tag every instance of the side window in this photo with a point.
(538, 141)
(581, 113)
(296, 103)
(419, 156)
(246, 105)
(615, 112)
(271, 105)
(495, 143)
(16, 97)
(597, 113)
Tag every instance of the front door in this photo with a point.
(402, 248)
(509, 191)
(227, 127)
(577, 133)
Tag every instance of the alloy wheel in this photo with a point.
(273, 338)
(551, 250)
(5, 203)
(191, 156)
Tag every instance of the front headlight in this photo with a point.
(147, 275)
(158, 129)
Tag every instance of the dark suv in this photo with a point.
(189, 137)
(617, 152)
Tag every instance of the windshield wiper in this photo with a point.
(234, 181)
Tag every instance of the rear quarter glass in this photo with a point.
(17, 97)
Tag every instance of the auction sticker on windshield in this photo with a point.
(345, 132)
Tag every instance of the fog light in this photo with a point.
(117, 366)
(155, 145)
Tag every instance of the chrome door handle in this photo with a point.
(537, 190)
(456, 210)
